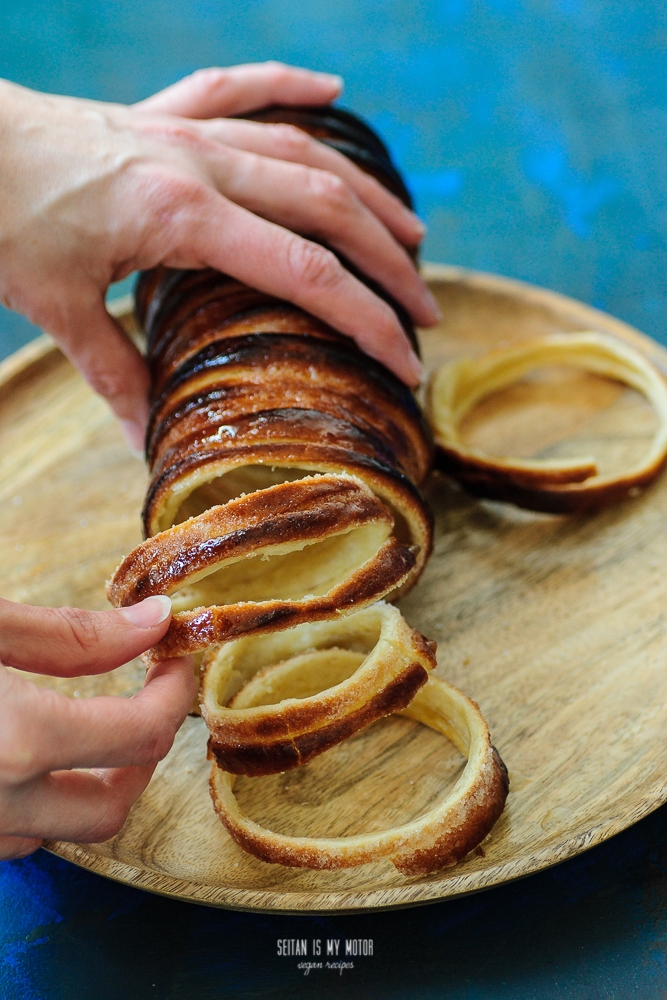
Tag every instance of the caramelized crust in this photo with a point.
(438, 839)
(269, 361)
(303, 511)
(250, 393)
(361, 668)
(284, 500)
(553, 486)
(232, 570)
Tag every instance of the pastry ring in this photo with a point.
(331, 680)
(437, 839)
(555, 486)
(312, 548)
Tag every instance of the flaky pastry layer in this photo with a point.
(297, 551)
(336, 677)
(439, 838)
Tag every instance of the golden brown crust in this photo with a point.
(274, 522)
(440, 838)
(202, 414)
(248, 391)
(298, 511)
(262, 757)
(265, 363)
(476, 820)
(192, 631)
(288, 732)
(570, 486)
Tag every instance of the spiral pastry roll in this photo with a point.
(290, 691)
(250, 393)
(351, 672)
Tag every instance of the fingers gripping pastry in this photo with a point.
(440, 837)
(284, 502)
(252, 396)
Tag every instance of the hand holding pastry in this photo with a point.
(46, 739)
(90, 192)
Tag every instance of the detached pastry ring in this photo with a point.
(312, 548)
(555, 486)
(437, 839)
(331, 680)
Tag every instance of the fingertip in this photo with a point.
(418, 226)
(148, 613)
(436, 312)
(334, 80)
(184, 664)
(428, 313)
(416, 370)
(416, 230)
(133, 431)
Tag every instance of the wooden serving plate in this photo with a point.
(557, 626)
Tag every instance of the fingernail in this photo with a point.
(333, 78)
(134, 437)
(435, 308)
(418, 225)
(149, 613)
(416, 367)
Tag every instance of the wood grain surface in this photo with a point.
(556, 625)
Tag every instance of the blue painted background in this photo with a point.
(533, 132)
(533, 135)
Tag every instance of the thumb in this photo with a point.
(67, 642)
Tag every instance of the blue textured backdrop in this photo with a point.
(533, 135)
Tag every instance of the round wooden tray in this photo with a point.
(557, 626)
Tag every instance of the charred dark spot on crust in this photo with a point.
(216, 385)
(291, 512)
(318, 458)
(306, 350)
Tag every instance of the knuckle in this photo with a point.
(111, 821)
(156, 744)
(22, 743)
(178, 133)
(170, 191)
(277, 71)
(290, 140)
(210, 77)
(18, 762)
(170, 199)
(331, 190)
(13, 848)
(77, 627)
(19, 756)
(107, 383)
(314, 266)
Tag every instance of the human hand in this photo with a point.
(90, 192)
(46, 738)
